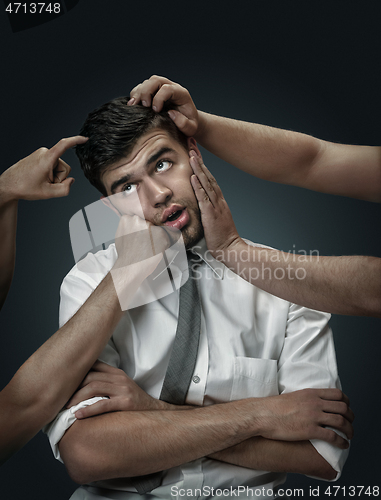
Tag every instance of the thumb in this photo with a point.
(187, 126)
(59, 189)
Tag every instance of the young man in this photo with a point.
(264, 391)
(342, 285)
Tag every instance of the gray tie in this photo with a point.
(182, 360)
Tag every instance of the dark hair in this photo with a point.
(113, 129)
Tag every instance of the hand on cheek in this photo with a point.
(220, 231)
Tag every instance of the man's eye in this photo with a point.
(163, 165)
(128, 189)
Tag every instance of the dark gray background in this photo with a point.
(311, 66)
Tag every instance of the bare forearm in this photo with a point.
(293, 158)
(265, 152)
(45, 382)
(342, 285)
(8, 226)
(130, 443)
(127, 444)
(277, 456)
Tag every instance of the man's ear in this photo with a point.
(106, 201)
(192, 144)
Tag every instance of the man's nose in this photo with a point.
(157, 192)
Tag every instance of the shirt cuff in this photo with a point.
(336, 457)
(65, 419)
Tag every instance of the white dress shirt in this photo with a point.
(252, 344)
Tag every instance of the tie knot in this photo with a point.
(193, 258)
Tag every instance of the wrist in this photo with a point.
(232, 254)
(202, 124)
(6, 195)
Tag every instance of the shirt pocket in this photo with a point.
(254, 378)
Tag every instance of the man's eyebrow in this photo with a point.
(156, 156)
(120, 181)
(151, 159)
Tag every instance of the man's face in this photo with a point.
(158, 170)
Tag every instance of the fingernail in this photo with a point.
(172, 115)
(144, 103)
(78, 414)
(192, 153)
(154, 108)
(131, 101)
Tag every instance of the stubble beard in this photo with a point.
(193, 232)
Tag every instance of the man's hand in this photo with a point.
(138, 240)
(140, 246)
(41, 175)
(157, 91)
(220, 231)
(306, 414)
(123, 393)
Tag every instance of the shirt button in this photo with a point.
(196, 379)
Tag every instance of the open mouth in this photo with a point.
(174, 216)
(177, 219)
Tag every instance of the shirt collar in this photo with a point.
(202, 251)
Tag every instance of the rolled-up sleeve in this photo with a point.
(308, 360)
(65, 419)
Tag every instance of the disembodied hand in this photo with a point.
(137, 240)
(157, 91)
(220, 231)
(41, 175)
(123, 393)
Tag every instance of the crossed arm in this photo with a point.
(142, 435)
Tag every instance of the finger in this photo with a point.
(170, 92)
(203, 199)
(64, 144)
(59, 189)
(338, 422)
(183, 123)
(109, 374)
(345, 399)
(332, 394)
(159, 238)
(94, 376)
(101, 366)
(332, 437)
(203, 179)
(102, 406)
(134, 96)
(143, 92)
(166, 92)
(92, 390)
(60, 171)
(130, 224)
(208, 174)
(339, 407)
